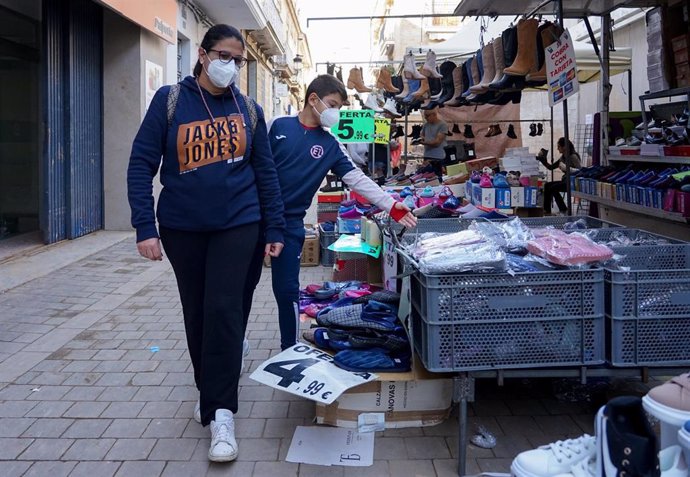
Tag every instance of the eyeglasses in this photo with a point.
(226, 57)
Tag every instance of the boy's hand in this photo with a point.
(401, 214)
(273, 249)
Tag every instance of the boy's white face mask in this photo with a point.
(329, 117)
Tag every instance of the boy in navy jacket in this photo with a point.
(304, 151)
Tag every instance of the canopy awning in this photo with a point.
(571, 8)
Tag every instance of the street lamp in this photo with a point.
(297, 61)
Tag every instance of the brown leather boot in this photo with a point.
(356, 82)
(423, 90)
(384, 81)
(549, 35)
(474, 70)
(458, 87)
(526, 59)
(498, 60)
(489, 67)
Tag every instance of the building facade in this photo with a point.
(76, 78)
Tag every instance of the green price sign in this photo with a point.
(355, 126)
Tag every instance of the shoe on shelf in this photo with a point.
(626, 443)
(554, 459)
(475, 177)
(372, 103)
(525, 181)
(513, 180)
(356, 81)
(511, 132)
(445, 193)
(468, 131)
(485, 181)
(500, 181)
(223, 444)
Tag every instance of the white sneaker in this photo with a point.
(672, 462)
(391, 108)
(554, 459)
(223, 444)
(197, 411)
(373, 103)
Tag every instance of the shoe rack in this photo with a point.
(659, 160)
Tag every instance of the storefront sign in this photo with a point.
(157, 16)
(308, 372)
(355, 126)
(281, 90)
(382, 130)
(561, 69)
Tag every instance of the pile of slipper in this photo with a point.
(315, 298)
(365, 332)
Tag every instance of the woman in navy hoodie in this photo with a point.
(219, 181)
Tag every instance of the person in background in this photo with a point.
(433, 138)
(219, 181)
(553, 190)
(304, 151)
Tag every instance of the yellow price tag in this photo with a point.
(382, 128)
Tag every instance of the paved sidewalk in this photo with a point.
(81, 392)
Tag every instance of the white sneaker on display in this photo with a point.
(672, 462)
(390, 107)
(372, 103)
(223, 444)
(554, 459)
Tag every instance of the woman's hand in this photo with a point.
(150, 248)
(408, 220)
(273, 249)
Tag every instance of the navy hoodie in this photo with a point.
(215, 176)
(304, 156)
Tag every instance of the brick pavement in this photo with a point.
(81, 392)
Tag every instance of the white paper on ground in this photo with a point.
(331, 446)
(371, 422)
(307, 371)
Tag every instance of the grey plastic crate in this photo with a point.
(609, 234)
(450, 225)
(499, 321)
(649, 307)
(327, 238)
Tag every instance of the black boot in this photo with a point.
(456, 129)
(446, 71)
(468, 131)
(339, 74)
(494, 130)
(540, 129)
(505, 98)
(399, 132)
(532, 129)
(333, 184)
(511, 132)
(449, 133)
(330, 69)
(416, 131)
(626, 443)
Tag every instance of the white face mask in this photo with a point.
(329, 117)
(222, 74)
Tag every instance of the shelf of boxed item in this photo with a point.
(651, 159)
(640, 209)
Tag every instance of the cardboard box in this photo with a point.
(517, 196)
(484, 196)
(310, 252)
(456, 169)
(330, 197)
(481, 163)
(417, 403)
(531, 196)
(503, 198)
(683, 203)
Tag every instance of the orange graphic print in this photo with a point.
(201, 143)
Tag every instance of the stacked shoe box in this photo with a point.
(680, 58)
(521, 160)
(657, 64)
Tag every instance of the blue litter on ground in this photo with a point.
(154, 349)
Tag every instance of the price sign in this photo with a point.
(308, 372)
(382, 130)
(561, 69)
(355, 126)
(390, 264)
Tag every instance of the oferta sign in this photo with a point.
(355, 126)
